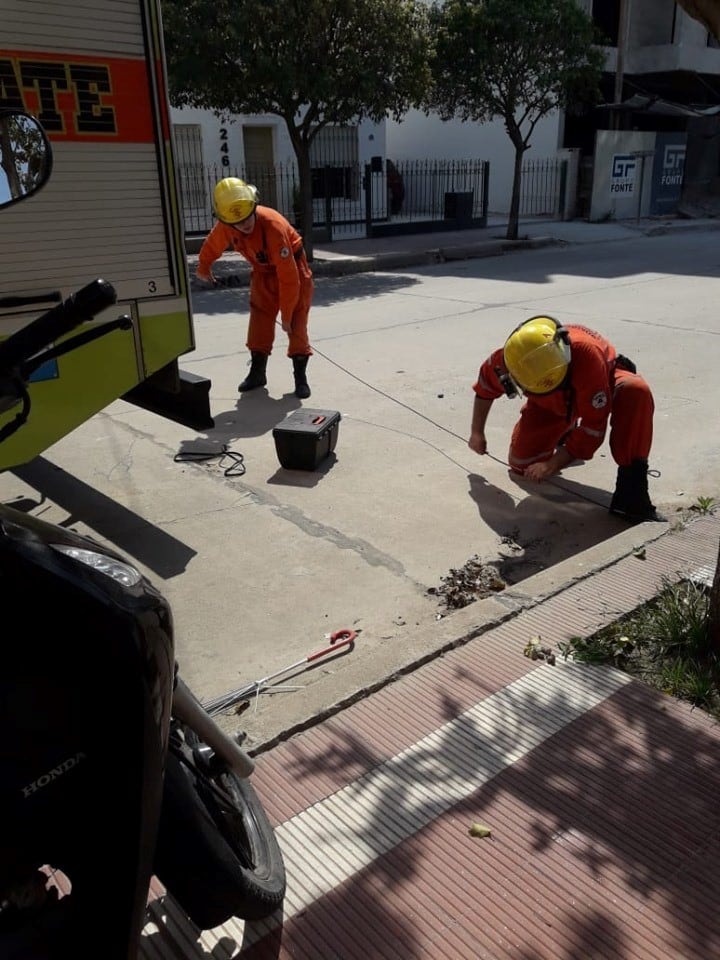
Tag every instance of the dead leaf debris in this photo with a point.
(471, 582)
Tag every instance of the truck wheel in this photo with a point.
(217, 853)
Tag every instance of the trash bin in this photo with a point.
(459, 207)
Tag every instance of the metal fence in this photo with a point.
(542, 188)
(382, 198)
(353, 200)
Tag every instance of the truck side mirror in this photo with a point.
(25, 157)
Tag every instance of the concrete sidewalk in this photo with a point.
(598, 794)
(372, 471)
(259, 567)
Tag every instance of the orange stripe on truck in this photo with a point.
(78, 97)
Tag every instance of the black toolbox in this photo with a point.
(305, 438)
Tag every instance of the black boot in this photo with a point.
(302, 390)
(256, 377)
(631, 499)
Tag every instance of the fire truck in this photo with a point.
(93, 73)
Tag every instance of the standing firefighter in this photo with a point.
(574, 381)
(281, 279)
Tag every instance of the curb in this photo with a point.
(410, 258)
(522, 602)
(345, 266)
(340, 266)
(665, 228)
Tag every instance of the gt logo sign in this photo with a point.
(674, 158)
(623, 166)
(673, 165)
(623, 173)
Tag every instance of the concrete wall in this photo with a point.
(421, 137)
(417, 137)
(371, 136)
(653, 47)
(651, 22)
(618, 174)
(571, 186)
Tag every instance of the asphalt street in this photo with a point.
(260, 567)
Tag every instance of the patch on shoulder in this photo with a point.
(284, 253)
(599, 400)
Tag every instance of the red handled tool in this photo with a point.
(338, 639)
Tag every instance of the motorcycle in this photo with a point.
(112, 770)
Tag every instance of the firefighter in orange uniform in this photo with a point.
(281, 280)
(574, 382)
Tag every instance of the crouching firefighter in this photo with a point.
(574, 381)
(281, 279)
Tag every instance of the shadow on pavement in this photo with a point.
(328, 290)
(129, 533)
(255, 414)
(546, 524)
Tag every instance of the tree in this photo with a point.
(310, 62)
(514, 59)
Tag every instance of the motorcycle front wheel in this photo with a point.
(216, 853)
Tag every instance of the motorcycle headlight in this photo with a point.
(121, 572)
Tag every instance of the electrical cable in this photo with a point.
(237, 465)
(238, 469)
(370, 386)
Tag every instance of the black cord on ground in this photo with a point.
(237, 465)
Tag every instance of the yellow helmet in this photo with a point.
(234, 200)
(537, 355)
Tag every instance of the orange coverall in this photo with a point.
(596, 390)
(281, 277)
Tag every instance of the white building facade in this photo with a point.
(655, 43)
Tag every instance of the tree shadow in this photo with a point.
(166, 926)
(328, 291)
(601, 800)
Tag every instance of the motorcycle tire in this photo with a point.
(216, 853)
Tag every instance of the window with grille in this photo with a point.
(190, 170)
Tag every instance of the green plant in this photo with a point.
(665, 643)
(691, 681)
(598, 648)
(675, 623)
(703, 505)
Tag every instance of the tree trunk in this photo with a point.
(306, 227)
(713, 622)
(514, 215)
(302, 155)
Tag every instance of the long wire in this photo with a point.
(440, 426)
(371, 386)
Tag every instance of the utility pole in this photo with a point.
(622, 42)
